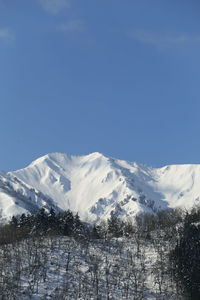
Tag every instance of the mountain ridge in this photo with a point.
(98, 186)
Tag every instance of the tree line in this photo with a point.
(43, 223)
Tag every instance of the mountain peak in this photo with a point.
(96, 155)
(97, 186)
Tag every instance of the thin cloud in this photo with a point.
(54, 6)
(6, 35)
(162, 41)
(73, 25)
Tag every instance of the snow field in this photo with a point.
(62, 268)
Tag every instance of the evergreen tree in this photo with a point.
(14, 221)
(95, 232)
(22, 220)
(52, 220)
(41, 220)
(186, 260)
(67, 222)
(77, 226)
(115, 226)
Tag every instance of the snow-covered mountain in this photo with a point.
(17, 197)
(97, 186)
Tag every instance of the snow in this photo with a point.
(17, 197)
(50, 267)
(97, 186)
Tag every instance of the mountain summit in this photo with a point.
(97, 186)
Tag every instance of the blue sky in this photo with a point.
(117, 77)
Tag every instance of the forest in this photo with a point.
(57, 256)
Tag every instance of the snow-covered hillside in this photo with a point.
(97, 186)
(17, 197)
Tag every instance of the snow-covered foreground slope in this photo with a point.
(62, 268)
(97, 186)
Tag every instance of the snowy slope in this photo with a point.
(17, 197)
(97, 186)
